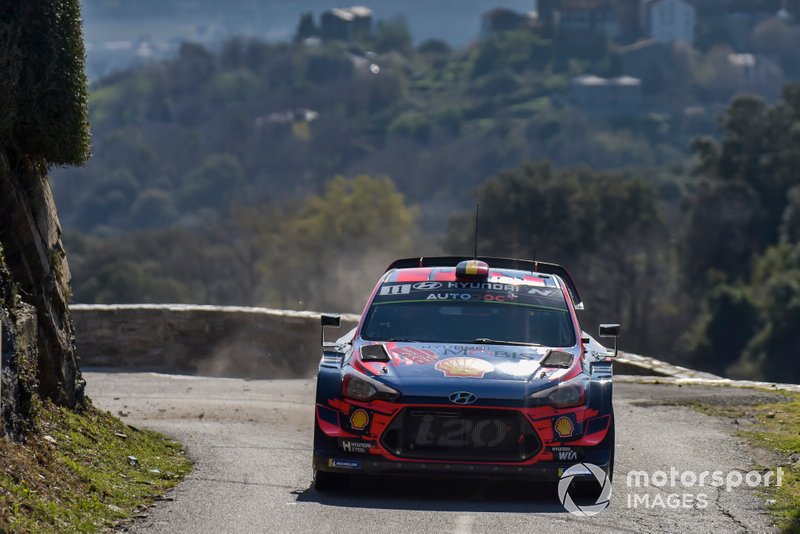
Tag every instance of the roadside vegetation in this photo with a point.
(774, 426)
(777, 427)
(83, 472)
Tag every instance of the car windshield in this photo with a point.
(479, 314)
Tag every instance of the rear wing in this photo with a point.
(497, 263)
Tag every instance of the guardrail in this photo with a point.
(628, 363)
(236, 341)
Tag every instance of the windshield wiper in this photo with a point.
(490, 341)
(401, 340)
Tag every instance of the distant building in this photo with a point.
(734, 19)
(607, 97)
(580, 21)
(643, 60)
(289, 116)
(589, 20)
(345, 24)
(668, 21)
(503, 20)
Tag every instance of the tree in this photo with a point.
(325, 253)
(356, 215)
(434, 47)
(725, 327)
(723, 233)
(790, 222)
(604, 227)
(771, 353)
(218, 178)
(154, 207)
(750, 172)
(393, 35)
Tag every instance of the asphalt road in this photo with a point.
(251, 441)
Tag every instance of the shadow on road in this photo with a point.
(437, 494)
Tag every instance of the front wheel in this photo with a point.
(612, 445)
(592, 488)
(327, 481)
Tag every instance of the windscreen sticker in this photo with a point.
(473, 292)
(404, 289)
(472, 296)
(427, 286)
(395, 289)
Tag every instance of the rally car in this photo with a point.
(471, 367)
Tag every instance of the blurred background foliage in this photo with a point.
(290, 174)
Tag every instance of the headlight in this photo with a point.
(565, 395)
(358, 386)
(357, 389)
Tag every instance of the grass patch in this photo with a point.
(777, 426)
(74, 472)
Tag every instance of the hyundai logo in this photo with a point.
(463, 397)
(427, 286)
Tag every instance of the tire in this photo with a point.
(589, 488)
(327, 481)
(612, 446)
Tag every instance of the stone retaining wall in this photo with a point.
(210, 340)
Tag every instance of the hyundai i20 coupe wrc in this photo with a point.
(470, 367)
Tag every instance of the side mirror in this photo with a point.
(328, 320)
(610, 330)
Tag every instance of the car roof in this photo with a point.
(514, 268)
(448, 274)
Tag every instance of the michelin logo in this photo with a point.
(344, 464)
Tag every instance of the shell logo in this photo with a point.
(359, 419)
(564, 427)
(464, 367)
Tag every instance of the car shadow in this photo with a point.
(440, 494)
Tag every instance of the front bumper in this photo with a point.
(375, 465)
(347, 439)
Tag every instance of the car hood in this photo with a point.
(418, 368)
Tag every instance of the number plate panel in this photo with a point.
(461, 434)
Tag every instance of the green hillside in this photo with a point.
(289, 174)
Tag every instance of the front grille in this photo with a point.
(461, 434)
